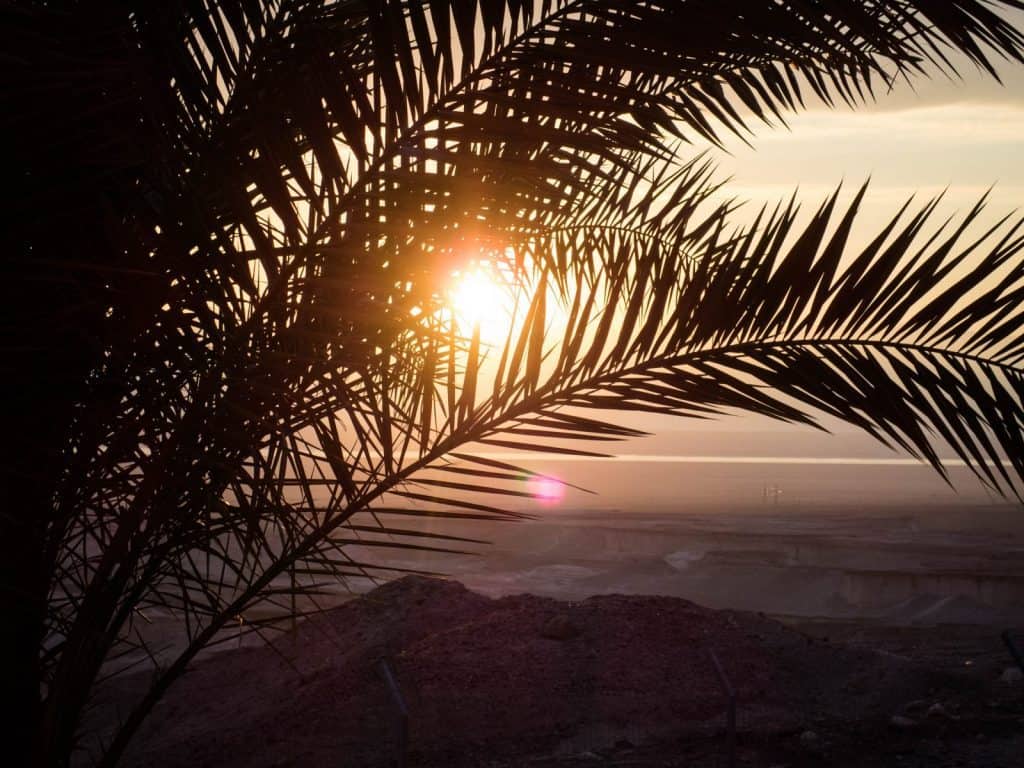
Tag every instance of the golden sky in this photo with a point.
(966, 135)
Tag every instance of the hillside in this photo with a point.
(525, 680)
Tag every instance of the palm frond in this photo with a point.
(914, 337)
(283, 188)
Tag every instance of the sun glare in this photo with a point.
(480, 297)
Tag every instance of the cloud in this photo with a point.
(881, 203)
(953, 123)
(1002, 196)
(966, 146)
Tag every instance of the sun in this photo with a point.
(481, 297)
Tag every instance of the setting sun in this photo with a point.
(481, 296)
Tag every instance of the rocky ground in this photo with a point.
(611, 680)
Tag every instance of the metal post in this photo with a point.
(1011, 646)
(730, 712)
(401, 712)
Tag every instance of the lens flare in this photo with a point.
(546, 490)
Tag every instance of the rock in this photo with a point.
(1011, 676)
(809, 739)
(902, 723)
(559, 628)
(937, 710)
(915, 707)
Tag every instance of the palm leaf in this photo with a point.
(285, 185)
(774, 324)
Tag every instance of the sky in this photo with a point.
(959, 136)
(963, 136)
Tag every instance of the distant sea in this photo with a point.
(668, 482)
(673, 459)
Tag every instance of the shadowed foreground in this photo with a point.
(615, 680)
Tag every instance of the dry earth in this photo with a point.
(610, 680)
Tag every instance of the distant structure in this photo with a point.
(771, 492)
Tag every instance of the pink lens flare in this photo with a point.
(546, 490)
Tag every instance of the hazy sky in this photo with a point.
(962, 135)
(967, 135)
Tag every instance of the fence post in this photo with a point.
(401, 711)
(730, 713)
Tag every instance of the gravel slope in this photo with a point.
(523, 679)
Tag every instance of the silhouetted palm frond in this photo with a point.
(274, 195)
(913, 337)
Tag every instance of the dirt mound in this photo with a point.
(944, 609)
(521, 675)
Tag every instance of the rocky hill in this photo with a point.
(523, 680)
